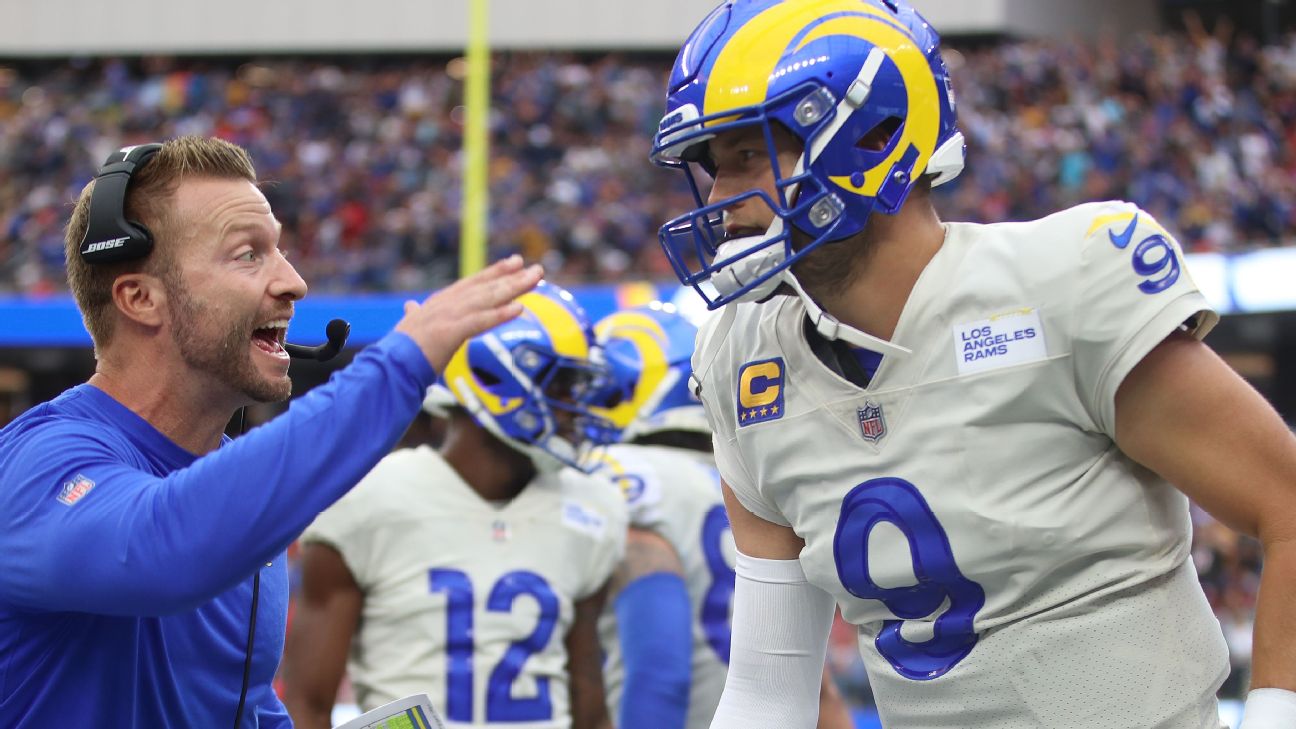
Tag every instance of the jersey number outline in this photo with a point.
(898, 502)
(718, 601)
(1146, 267)
(501, 705)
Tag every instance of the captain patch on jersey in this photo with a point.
(760, 391)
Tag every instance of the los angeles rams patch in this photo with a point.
(582, 519)
(760, 391)
(1003, 340)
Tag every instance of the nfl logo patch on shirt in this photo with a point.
(500, 530)
(1012, 338)
(872, 424)
(760, 391)
(74, 490)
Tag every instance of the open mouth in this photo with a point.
(269, 337)
(746, 231)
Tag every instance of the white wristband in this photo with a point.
(1269, 708)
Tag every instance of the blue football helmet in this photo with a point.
(830, 72)
(648, 351)
(530, 382)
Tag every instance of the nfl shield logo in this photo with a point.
(500, 531)
(74, 490)
(872, 424)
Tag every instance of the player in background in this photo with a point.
(964, 435)
(475, 574)
(666, 627)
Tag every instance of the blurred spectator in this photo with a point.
(1228, 566)
(362, 155)
(1198, 128)
(15, 394)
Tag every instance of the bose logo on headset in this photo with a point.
(104, 245)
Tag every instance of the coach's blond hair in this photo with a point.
(150, 201)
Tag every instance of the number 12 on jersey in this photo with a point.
(501, 706)
(898, 502)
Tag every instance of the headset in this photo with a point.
(111, 238)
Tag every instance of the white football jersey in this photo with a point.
(466, 600)
(675, 493)
(1006, 565)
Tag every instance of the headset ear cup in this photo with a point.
(109, 237)
(141, 238)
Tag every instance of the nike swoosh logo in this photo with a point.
(1123, 240)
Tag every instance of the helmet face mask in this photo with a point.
(530, 382)
(832, 73)
(720, 268)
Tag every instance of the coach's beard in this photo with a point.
(227, 356)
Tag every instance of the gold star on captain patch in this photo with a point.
(774, 410)
(742, 415)
(764, 412)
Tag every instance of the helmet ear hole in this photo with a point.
(879, 137)
(700, 154)
(485, 377)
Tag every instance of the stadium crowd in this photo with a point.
(1198, 128)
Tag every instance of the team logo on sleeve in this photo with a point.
(760, 391)
(632, 487)
(872, 424)
(74, 490)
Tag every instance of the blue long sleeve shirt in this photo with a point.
(126, 563)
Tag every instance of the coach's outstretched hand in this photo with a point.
(468, 307)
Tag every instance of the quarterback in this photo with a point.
(978, 440)
(477, 573)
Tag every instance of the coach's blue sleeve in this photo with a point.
(655, 628)
(142, 545)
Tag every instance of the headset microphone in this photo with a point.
(337, 332)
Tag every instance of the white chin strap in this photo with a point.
(947, 161)
(732, 277)
(543, 460)
(829, 328)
